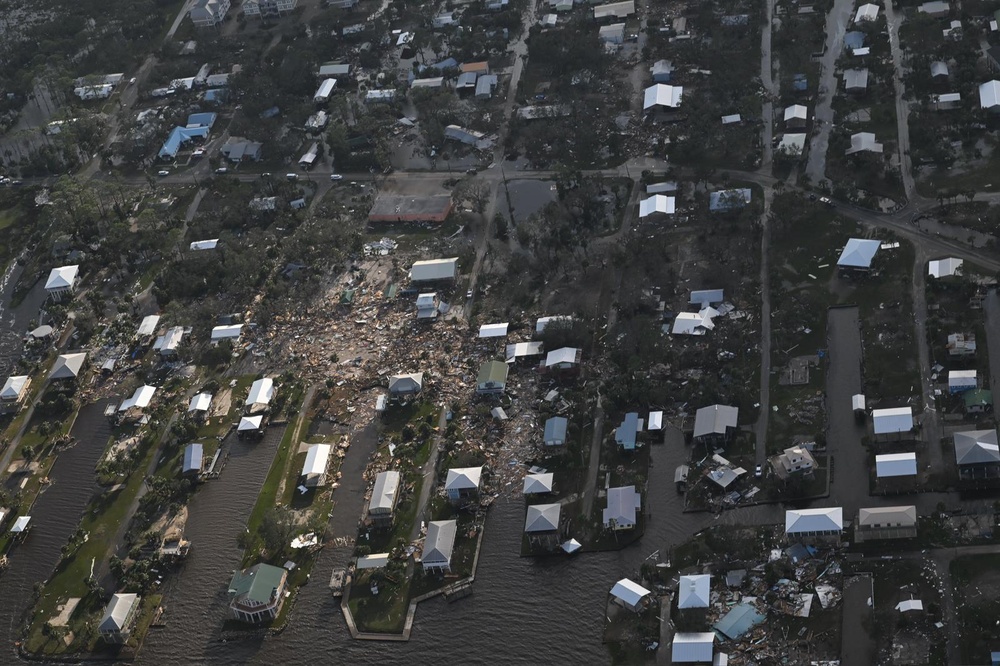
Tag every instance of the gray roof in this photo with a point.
(117, 612)
(193, 455)
(542, 518)
(625, 433)
(433, 269)
(855, 78)
(440, 541)
(858, 253)
(68, 366)
(976, 447)
(939, 68)
(384, 492)
(706, 296)
(905, 516)
(715, 420)
(555, 429)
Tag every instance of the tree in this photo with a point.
(277, 528)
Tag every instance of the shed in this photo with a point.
(630, 594)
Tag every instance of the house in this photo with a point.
(61, 281)
(895, 464)
(268, 8)
(434, 270)
(961, 345)
(427, 305)
(742, 618)
(541, 525)
(626, 433)
(493, 330)
(485, 85)
(323, 92)
(939, 71)
(656, 204)
(868, 12)
(631, 595)
(261, 393)
(977, 450)
(612, 34)
(194, 459)
(313, 472)
(714, 424)
(706, 297)
(492, 378)
(139, 400)
(935, 9)
(886, 522)
(793, 460)
(894, 421)
(662, 95)
(329, 69)
(68, 366)
(654, 421)
(942, 268)
(853, 40)
(100, 91)
(549, 20)
(210, 244)
(468, 137)
(555, 431)
(662, 71)
(989, 96)
(564, 358)
(856, 80)
(857, 255)
(408, 384)
(623, 503)
(236, 149)
(439, 545)
(462, 483)
(689, 648)
(792, 145)
(229, 332)
(250, 426)
(796, 116)
(208, 13)
(822, 524)
(256, 594)
(379, 96)
(694, 591)
(946, 102)
(694, 323)
(13, 392)
(615, 10)
(962, 380)
(308, 159)
(863, 142)
(443, 20)
(978, 401)
(119, 617)
(433, 82)
(538, 484)
(385, 494)
(723, 200)
(523, 350)
(147, 327)
(168, 343)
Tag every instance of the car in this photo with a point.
(759, 472)
(826, 200)
(471, 172)
(222, 170)
(162, 172)
(266, 174)
(131, 81)
(812, 197)
(336, 176)
(292, 176)
(468, 294)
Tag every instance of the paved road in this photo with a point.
(992, 308)
(930, 423)
(902, 106)
(760, 428)
(770, 89)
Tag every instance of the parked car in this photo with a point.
(826, 200)
(759, 472)
(222, 170)
(336, 176)
(292, 176)
(162, 172)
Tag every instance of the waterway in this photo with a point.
(14, 322)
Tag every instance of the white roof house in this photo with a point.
(168, 343)
(14, 387)
(663, 95)
(655, 421)
(200, 402)
(895, 464)
(623, 503)
(231, 332)
(250, 423)
(542, 518)
(147, 326)
(535, 484)
(406, 384)
(658, 203)
(373, 561)
(68, 366)
(523, 349)
(694, 323)
(463, 478)
(317, 458)
(867, 12)
(324, 90)
(792, 144)
(962, 380)
(796, 113)
(439, 544)
(493, 330)
(140, 399)
(562, 357)
(858, 253)
(855, 79)
(977, 447)
(209, 244)
(615, 10)
(433, 269)
(940, 268)
(629, 592)
(814, 521)
(989, 95)
(715, 420)
(21, 524)
(693, 647)
(62, 279)
(384, 492)
(261, 392)
(863, 142)
(897, 419)
(118, 614)
(694, 591)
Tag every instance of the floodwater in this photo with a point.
(526, 197)
(14, 321)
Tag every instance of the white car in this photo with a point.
(336, 176)
(162, 172)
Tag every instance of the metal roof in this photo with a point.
(493, 330)
(140, 399)
(440, 542)
(694, 591)
(227, 332)
(538, 483)
(940, 268)
(261, 392)
(658, 203)
(858, 253)
(692, 647)
(555, 429)
(895, 464)
(661, 94)
(542, 518)
(897, 419)
(623, 503)
(193, 455)
(904, 516)
(739, 620)
(148, 325)
(317, 457)
(463, 478)
(63, 277)
(117, 612)
(68, 366)
(384, 491)
(976, 447)
(200, 402)
(433, 269)
(629, 591)
(814, 520)
(13, 386)
(715, 419)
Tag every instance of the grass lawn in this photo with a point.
(384, 612)
(269, 493)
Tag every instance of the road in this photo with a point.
(770, 89)
(760, 429)
(930, 427)
(902, 106)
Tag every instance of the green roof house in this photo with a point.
(256, 594)
(492, 378)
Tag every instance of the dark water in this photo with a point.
(14, 321)
(55, 517)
